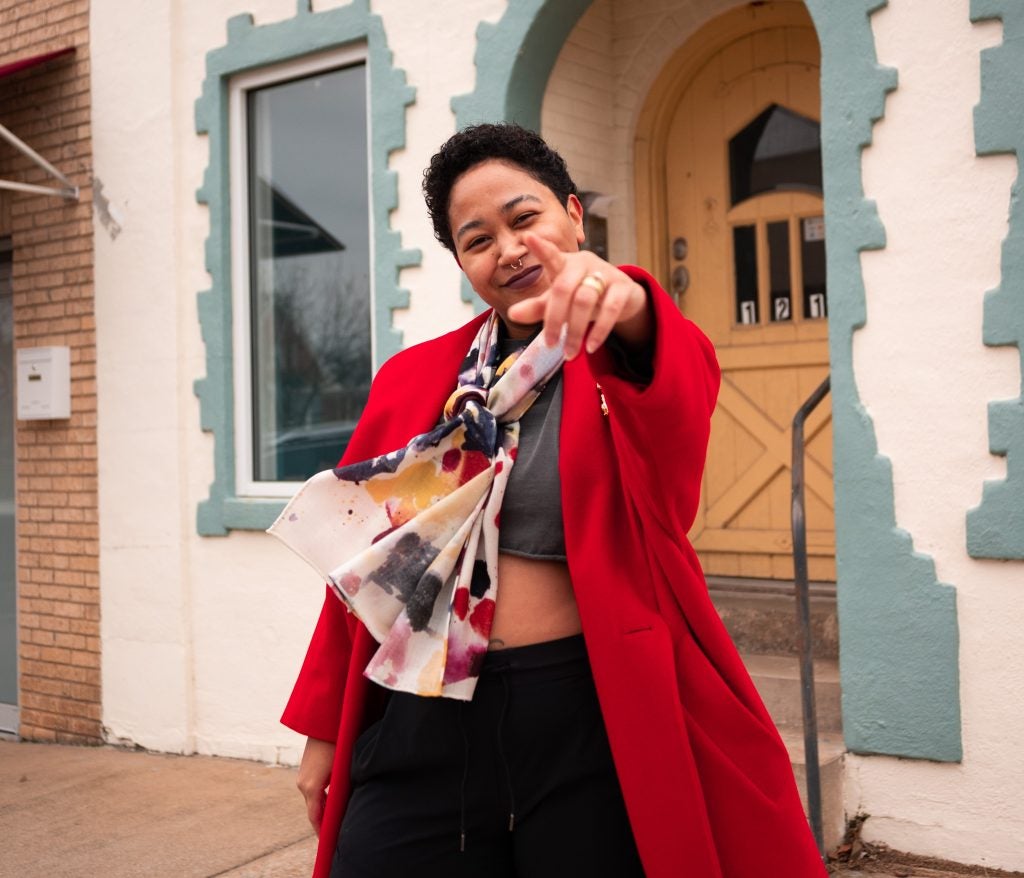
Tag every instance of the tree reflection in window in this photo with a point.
(309, 269)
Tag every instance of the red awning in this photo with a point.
(25, 63)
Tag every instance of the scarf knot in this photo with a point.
(409, 540)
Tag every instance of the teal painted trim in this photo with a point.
(995, 528)
(247, 48)
(899, 642)
(514, 59)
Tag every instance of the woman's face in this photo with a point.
(490, 208)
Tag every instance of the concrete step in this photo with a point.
(760, 615)
(831, 753)
(777, 678)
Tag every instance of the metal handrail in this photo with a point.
(803, 615)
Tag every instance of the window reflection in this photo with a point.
(779, 150)
(744, 253)
(778, 272)
(812, 255)
(309, 270)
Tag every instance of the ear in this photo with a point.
(574, 208)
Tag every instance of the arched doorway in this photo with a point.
(730, 211)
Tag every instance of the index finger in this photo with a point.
(553, 261)
(548, 255)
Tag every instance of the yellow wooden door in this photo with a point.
(746, 258)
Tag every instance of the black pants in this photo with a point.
(517, 782)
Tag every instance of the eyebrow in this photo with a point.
(505, 208)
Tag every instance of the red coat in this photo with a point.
(706, 779)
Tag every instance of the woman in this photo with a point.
(594, 718)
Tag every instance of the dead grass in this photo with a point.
(854, 856)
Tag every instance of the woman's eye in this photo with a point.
(524, 217)
(476, 242)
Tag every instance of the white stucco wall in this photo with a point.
(945, 215)
(202, 636)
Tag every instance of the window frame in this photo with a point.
(251, 47)
(239, 87)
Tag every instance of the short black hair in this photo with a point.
(506, 142)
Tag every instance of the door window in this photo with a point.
(782, 250)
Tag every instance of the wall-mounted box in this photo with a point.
(44, 383)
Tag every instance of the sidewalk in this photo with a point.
(100, 812)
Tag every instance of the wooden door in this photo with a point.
(744, 218)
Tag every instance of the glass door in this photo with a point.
(8, 563)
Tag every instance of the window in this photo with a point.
(778, 231)
(301, 268)
(262, 439)
(779, 150)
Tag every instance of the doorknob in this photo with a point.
(680, 281)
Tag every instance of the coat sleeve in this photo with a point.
(314, 708)
(660, 429)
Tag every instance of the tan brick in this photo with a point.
(38, 733)
(57, 549)
(55, 654)
(55, 623)
(85, 659)
(69, 577)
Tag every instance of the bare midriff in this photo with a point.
(535, 602)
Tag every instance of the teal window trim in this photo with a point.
(995, 528)
(249, 47)
(900, 635)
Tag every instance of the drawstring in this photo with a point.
(465, 777)
(501, 753)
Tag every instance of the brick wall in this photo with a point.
(56, 472)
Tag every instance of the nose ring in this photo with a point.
(516, 266)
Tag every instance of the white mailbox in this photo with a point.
(44, 383)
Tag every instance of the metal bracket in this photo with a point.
(68, 192)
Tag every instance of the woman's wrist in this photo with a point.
(635, 328)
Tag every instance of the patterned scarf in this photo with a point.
(409, 540)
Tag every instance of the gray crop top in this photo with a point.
(531, 512)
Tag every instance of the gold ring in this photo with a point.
(596, 283)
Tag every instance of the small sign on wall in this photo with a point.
(44, 383)
(814, 229)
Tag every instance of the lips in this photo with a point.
(524, 279)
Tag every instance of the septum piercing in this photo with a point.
(515, 266)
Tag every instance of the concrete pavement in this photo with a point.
(101, 812)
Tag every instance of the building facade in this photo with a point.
(826, 187)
